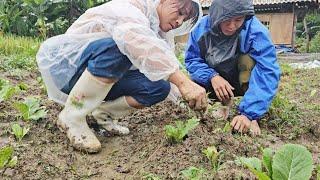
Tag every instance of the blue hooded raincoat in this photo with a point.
(252, 38)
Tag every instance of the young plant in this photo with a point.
(291, 161)
(30, 109)
(151, 176)
(178, 133)
(6, 159)
(18, 131)
(6, 90)
(193, 173)
(214, 157)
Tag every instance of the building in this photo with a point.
(280, 16)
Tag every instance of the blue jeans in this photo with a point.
(103, 58)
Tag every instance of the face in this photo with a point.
(172, 13)
(230, 26)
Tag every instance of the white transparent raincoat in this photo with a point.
(132, 24)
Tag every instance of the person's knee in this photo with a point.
(245, 66)
(103, 79)
(157, 93)
(164, 90)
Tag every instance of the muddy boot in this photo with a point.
(108, 111)
(87, 94)
(245, 66)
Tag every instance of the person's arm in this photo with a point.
(154, 58)
(265, 76)
(198, 69)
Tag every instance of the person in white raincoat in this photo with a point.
(115, 58)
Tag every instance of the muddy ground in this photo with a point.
(45, 152)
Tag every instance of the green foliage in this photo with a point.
(284, 110)
(6, 159)
(214, 157)
(30, 109)
(176, 134)
(18, 53)
(313, 23)
(151, 176)
(267, 160)
(290, 162)
(41, 18)
(18, 131)
(193, 173)
(6, 90)
(314, 44)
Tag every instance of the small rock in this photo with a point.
(121, 169)
(9, 172)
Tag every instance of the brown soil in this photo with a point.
(45, 152)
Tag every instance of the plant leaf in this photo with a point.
(252, 162)
(13, 162)
(292, 162)
(193, 173)
(17, 131)
(5, 155)
(39, 114)
(267, 160)
(254, 165)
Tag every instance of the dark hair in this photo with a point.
(195, 12)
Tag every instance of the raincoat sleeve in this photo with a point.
(265, 76)
(152, 55)
(197, 67)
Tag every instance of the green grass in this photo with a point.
(18, 52)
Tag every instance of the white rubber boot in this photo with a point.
(87, 94)
(108, 111)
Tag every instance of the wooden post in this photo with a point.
(306, 30)
(294, 29)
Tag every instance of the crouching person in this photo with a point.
(114, 59)
(230, 53)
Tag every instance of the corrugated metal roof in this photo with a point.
(207, 3)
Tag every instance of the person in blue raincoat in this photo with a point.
(230, 53)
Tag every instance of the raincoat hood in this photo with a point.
(220, 47)
(221, 10)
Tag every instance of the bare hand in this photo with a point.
(222, 88)
(195, 95)
(242, 124)
(190, 91)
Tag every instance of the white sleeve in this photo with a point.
(149, 53)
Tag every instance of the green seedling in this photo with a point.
(18, 131)
(291, 161)
(312, 93)
(6, 159)
(193, 173)
(151, 176)
(6, 90)
(227, 128)
(30, 109)
(178, 133)
(214, 157)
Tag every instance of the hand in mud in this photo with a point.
(242, 124)
(190, 91)
(222, 88)
(195, 95)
